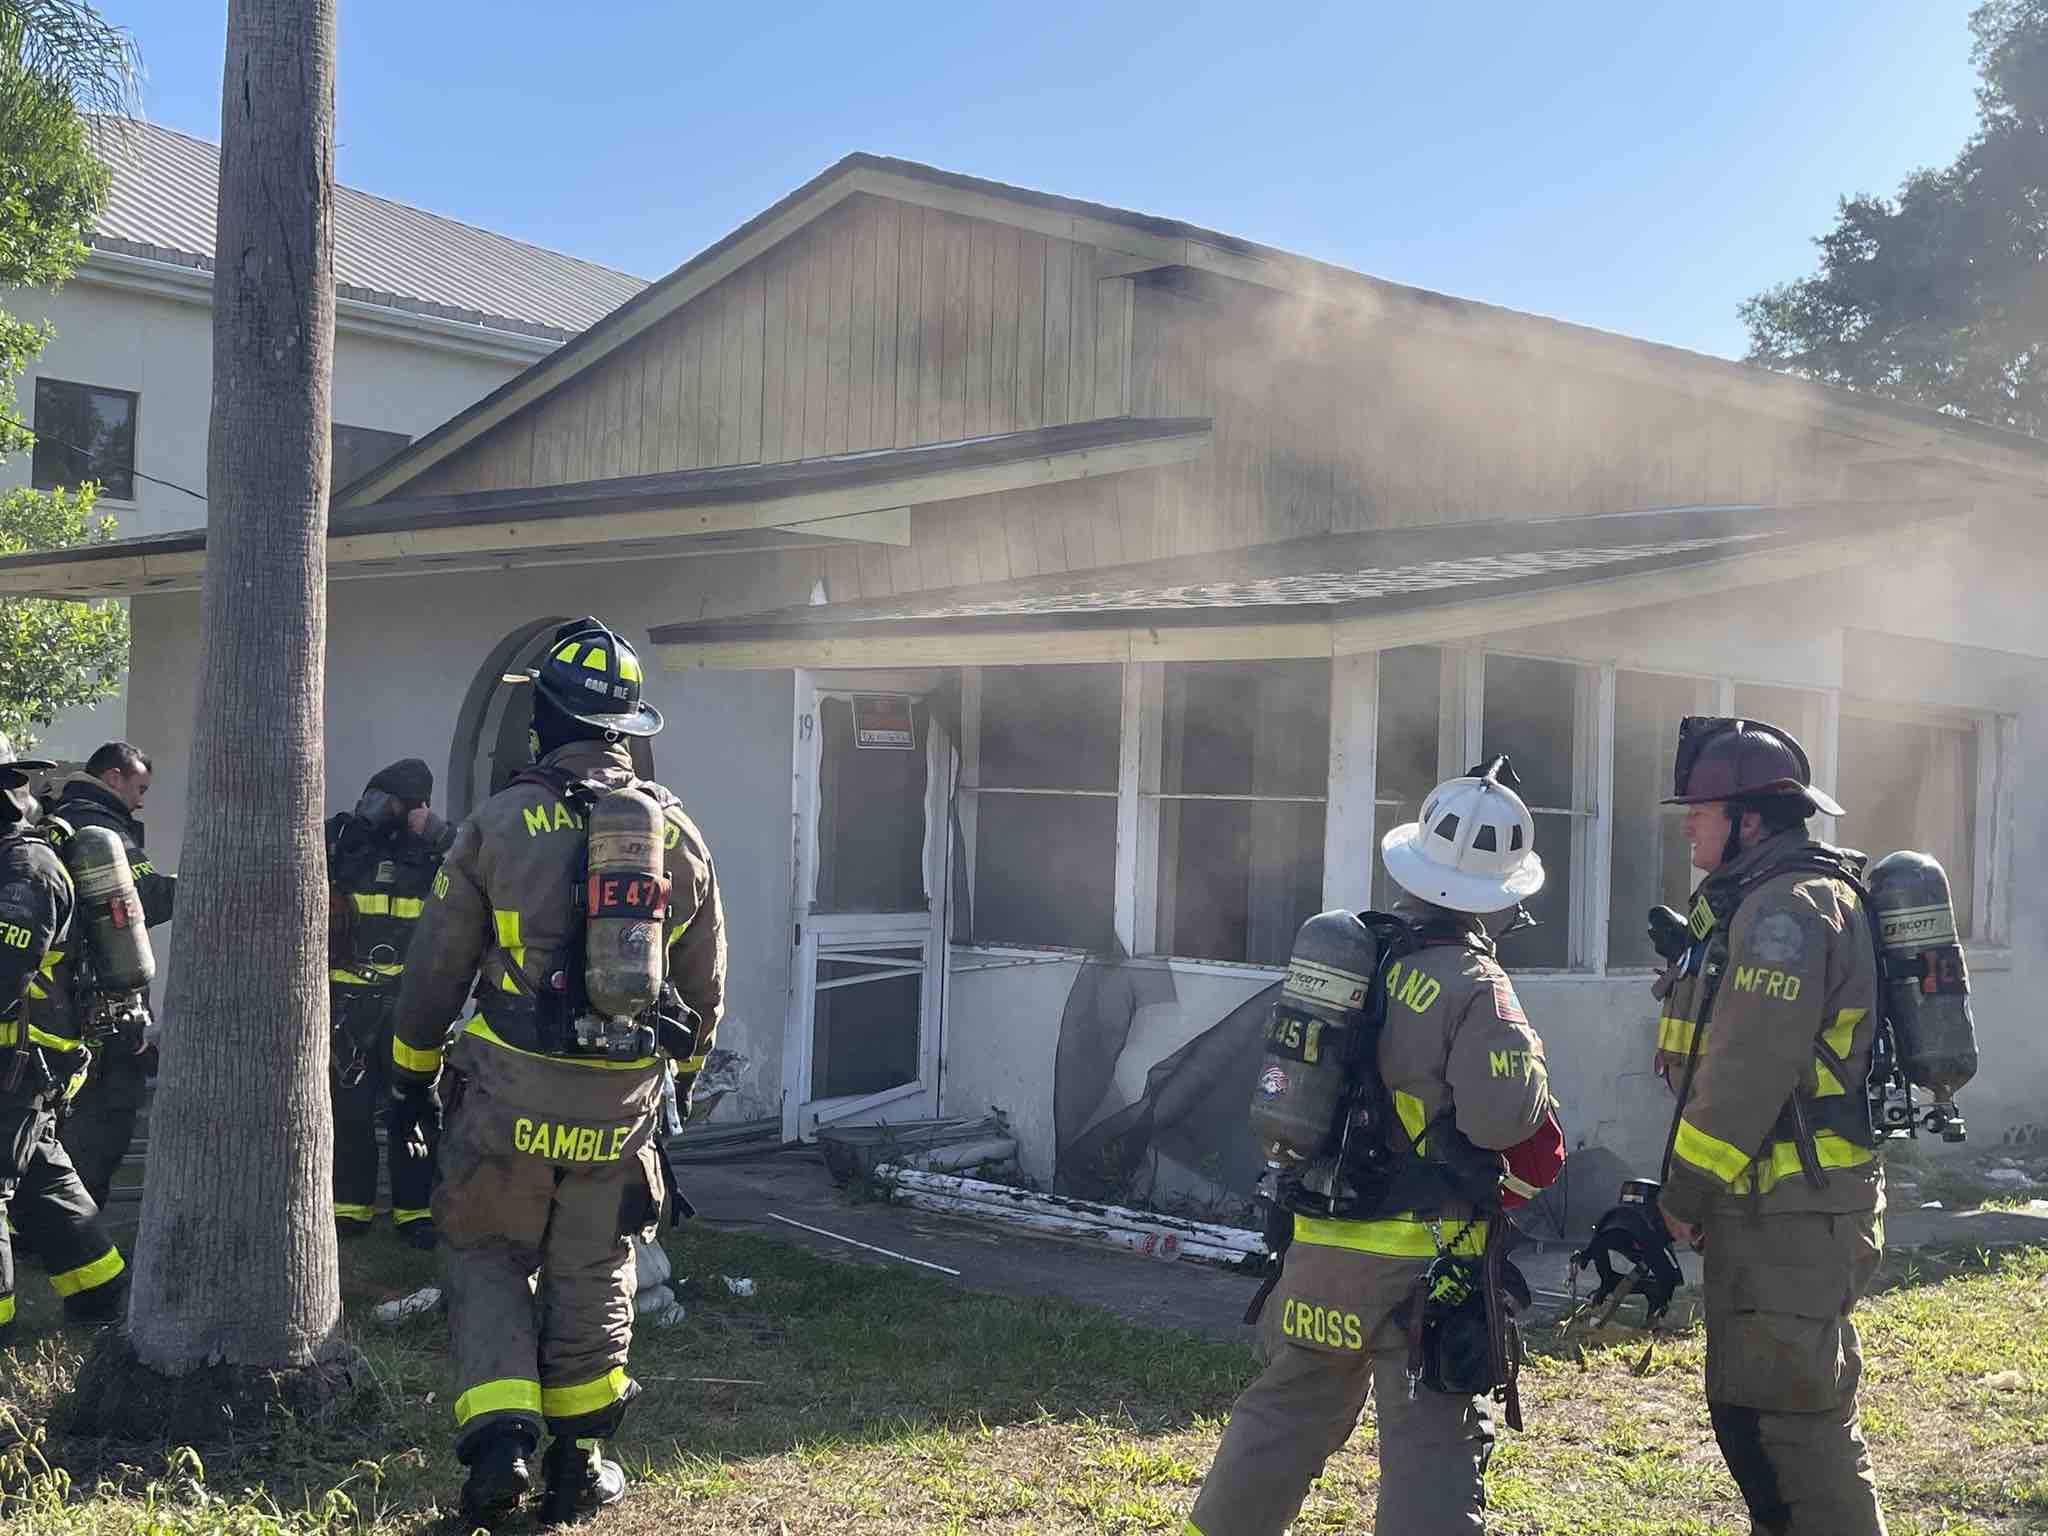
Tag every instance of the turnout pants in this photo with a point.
(1330, 1340)
(560, 1191)
(1783, 1365)
(99, 1127)
(49, 1212)
(411, 1130)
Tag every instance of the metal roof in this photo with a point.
(166, 188)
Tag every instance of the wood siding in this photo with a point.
(1328, 422)
(880, 326)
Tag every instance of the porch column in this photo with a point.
(1348, 847)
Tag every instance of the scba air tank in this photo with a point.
(625, 902)
(115, 931)
(1927, 983)
(1309, 1035)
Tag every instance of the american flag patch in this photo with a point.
(1505, 1003)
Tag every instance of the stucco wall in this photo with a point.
(402, 653)
(162, 348)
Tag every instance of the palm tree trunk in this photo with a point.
(235, 1269)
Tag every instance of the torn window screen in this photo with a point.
(1045, 806)
(1243, 773)
(1912, 784)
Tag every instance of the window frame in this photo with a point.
(134, 398)
(1351, 800)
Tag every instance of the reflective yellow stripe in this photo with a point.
(370, 903)
(1708, 1153)
(510, 941)
(1409, 1108)
(568, 652)
(1841, 1035)
(369, 974)
(1191, 1529)
(485, 1033)
(594, 658)
(408, 906)
(88, 1276)
(691, 1064)
(42, 1037)
(6, 1310)
(347, 1211)
(1830, 1150)
(46, 971)
(1701, 922)
(426, 1063)
(1830, 1086)
(407, 1216)
(586, 1397)
(508, 1395)
(1397, 1237)
(629, 666)
(1675, 1035)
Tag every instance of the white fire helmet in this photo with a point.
(1472, 850)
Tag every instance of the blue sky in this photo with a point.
(1638, 167)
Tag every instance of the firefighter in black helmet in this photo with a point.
(45, 1205)
(1773, 1168)
(381, 861)
(549, 1160)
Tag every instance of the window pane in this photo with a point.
(1236, 878)
(1652, 865)
(1531, 713)
(358, 450)
(1045, 867)
(1246, 728)
(1051, 727)
(84, 434)
(871, 817)
(865, 1032)
(1548, 946)
(1907, 785)
(1797, 710)
(1410, 725)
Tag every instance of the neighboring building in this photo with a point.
(430, 315)
(1054, 604)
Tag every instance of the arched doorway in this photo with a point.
(490, 743)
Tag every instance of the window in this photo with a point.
(1536, 712)
(358, 450)
(84, 434)
(1411, 747)
(1239, 791)
(1909, 780)
(1652, 864)
(1043, 785)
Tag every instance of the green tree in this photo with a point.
(57, 57)
(1939, 296)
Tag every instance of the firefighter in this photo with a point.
(381, 861)
(99, 1123)
(1464, 1071)
(1770, 1014)
(549, 1159)
(46, 1208)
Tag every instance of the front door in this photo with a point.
(873, 781)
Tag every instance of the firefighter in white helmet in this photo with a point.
(1466, 1078)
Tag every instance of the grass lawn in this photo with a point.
(878, 1400)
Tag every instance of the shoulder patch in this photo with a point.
(1505, 1003)
(1779, 938)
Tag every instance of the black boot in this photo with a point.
(498, 1474)
(580, 1479)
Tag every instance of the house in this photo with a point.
(431, 314)
(1054, 604)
